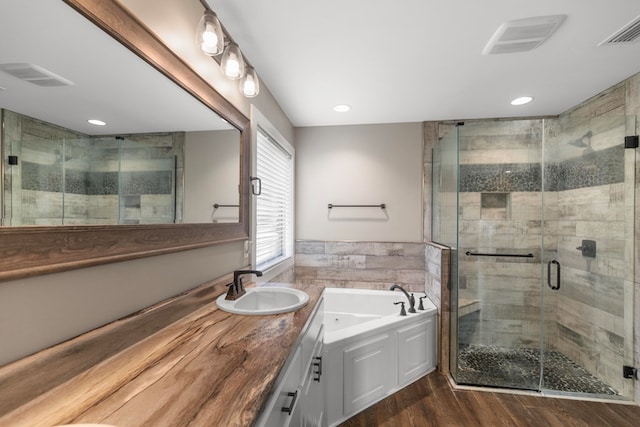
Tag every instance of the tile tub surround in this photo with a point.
(361, 265)
(417, 267)
(180, 362)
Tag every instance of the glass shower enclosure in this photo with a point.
(540, 218)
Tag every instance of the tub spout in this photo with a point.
(411, 298)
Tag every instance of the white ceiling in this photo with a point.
(416, 60)
(406, 61)
(110, 82)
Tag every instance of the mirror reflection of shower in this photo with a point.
(94, 180)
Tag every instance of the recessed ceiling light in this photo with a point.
(97, 122)
(522, 100)
(342, 108)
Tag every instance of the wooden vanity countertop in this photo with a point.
(182, 362)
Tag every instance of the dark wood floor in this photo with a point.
(432, 402)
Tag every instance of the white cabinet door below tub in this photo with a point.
(369, 372)
(416, 350)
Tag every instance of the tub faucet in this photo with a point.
(411, 298)
(236, 289)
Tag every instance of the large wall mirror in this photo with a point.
(165, 173)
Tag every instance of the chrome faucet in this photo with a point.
(411, 298)
(236, 289)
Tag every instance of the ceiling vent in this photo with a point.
(627, 34)
(524, 34)
(34, 74)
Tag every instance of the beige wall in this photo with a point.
(367, 164)
(41, 311)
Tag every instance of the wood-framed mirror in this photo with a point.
(27, 251)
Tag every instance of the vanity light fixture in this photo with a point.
(213, 40)
(249, 84)
(342, 108)
(97, 122)
(232, 62)
(522, 100)
(209, 34)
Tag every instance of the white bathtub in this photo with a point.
(370, 351)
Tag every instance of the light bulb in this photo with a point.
(249, 84)
(233, 69)
(232, 63)
(209, 35)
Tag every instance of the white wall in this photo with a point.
(364, 164)
(212, 175)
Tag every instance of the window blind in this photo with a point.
(274, 207)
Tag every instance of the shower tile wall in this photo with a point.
(575, 318)
(437, 287)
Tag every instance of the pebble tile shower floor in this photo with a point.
(507, 367)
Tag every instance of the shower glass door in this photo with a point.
(543, 268)
(589, 185)
(499, 310)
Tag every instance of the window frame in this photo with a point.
(259, 123)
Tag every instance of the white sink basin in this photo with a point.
(265, 300)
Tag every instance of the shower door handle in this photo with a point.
(557, 263)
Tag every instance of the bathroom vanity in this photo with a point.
(180, 361)
(297, 399)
